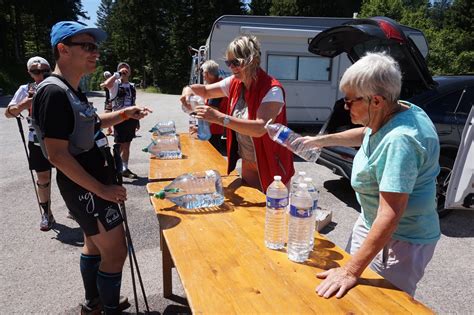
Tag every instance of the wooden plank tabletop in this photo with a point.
(197, 156)
(225, 267)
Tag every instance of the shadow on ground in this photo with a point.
(342, 190)
(458, 223)
(68, 235)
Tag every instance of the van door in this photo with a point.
(460, 193)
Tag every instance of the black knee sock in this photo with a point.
(109, 290)
(89, 267)
(45, 206)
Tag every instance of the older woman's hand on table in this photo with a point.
(338, 280)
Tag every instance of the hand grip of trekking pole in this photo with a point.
(118, 163)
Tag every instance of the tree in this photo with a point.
(260, 7)
(447, 25)
(335, 8)
(25, 32)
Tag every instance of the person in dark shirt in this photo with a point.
(71, 137)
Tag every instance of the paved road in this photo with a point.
(40, 273)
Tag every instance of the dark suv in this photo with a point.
(446, 99)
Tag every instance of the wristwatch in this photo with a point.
(226, 120)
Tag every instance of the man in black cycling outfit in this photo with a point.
(70, 135)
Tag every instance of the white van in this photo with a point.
(311, 82)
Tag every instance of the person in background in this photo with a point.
(210, 72)
(255, 98)
(122, 95)
(107, 102)
(69, 132)
(38, 68)
(394, 177)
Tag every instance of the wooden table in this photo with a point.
(225, 268)
(197, 156)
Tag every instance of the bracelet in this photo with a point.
(123, 115)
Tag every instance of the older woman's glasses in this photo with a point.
(350, 101)
(86, 46)
(39, 71)
(233, 62)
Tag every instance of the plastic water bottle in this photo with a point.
(300, 226)
(165, 147)
(195, 190)
(275, 216)
(192, 102)
(193, 126)
(285, 136)
(164, 128)
(313, 191)
(296, 180)
(204, 130)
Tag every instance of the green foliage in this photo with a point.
(260, 7)
(152, 89)
(96, 78)
(447, 25)
(334, 8)
(12, 76)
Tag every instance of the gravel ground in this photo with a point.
(39, 271)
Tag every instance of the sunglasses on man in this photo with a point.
(86, 46)
(233, 62)
(39, 71)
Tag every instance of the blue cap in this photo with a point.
(64, 29)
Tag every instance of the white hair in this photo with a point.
(37, 60)
(211, 67)
(374, 74)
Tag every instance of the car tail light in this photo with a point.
(391, 32)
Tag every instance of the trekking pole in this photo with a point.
(131, 250)
(20, 129)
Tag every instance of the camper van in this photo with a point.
(311, 82)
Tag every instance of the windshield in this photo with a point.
(411, 82)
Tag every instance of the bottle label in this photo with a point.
(300, 212)
(315, 204)
(283, 135)
(277, 202)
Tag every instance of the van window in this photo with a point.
(283, 67)
(300, 68)
(314, 69)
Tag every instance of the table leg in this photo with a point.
(167, 266)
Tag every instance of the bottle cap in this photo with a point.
(145, 149)
(303, 185)
(268, 123)
(277, 177)
(160, 194)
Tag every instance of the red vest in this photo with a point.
(272, 158)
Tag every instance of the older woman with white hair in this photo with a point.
(255, 98)
(210, 73)
(394, 176)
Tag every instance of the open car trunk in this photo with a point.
(376, 35)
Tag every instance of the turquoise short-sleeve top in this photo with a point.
(401, 157)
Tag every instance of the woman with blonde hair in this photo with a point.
(255, 97)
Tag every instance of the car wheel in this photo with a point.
(442, 181)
